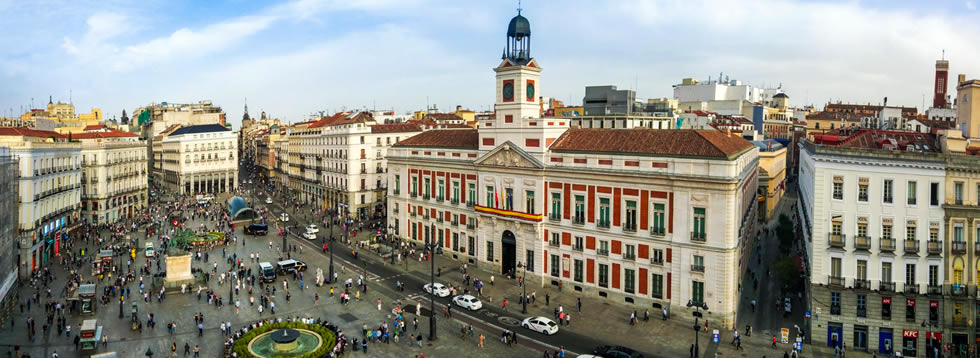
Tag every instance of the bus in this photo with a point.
(267, 272)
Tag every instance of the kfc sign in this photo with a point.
(910, 334)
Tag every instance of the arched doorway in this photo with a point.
(508, 259)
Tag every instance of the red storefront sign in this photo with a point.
(934, 335)
(910, 303)
(910, 334)
(886, 300)
(933, 304)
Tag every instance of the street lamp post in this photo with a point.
(524, 287)
(432, 292)
(697, 327)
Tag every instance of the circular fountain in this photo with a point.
(285, 342)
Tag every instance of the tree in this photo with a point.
(788, 273)
(785, 232)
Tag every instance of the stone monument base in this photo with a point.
(179, 272)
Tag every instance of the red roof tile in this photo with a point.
(94, 127)
(395, 128)
(444, 138)
(343, 118)
(11, 131)
(444, 117)
(679, 142)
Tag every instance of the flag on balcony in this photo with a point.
(496, 199)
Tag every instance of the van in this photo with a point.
(257, 229)
(149, 249)
(287, 266)
(267, 272)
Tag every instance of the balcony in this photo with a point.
(656, 261)
(470, 226)
(887, 244)
(958, 290)
(425, 197)
(835, 281)
(862, 284)
(554, 243)
(836, 240)
(699, 236)
(578, 220)
(911, 247)
(958, 247)
(934, 289)
(438, 199)
(602, 223)
(554, 217)
(411, 213)
(413, 195)
(439, 218)
(886, 286)
(629, 256)
(976, 247)
(934, 247)
(657, 231)
(578, 247)
(629, 228)
(454, 202)
(470, 204)
(602, 252)
(911, 289)
(697, 268)
(862, 242)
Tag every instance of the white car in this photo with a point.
(312, 229)
(468, 301)
(268, 200)
(441, 290)
(284, 217)
(541, 325)
(309, 236)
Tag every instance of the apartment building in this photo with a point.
(114, 175)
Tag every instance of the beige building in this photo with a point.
(967, 108)
(200, 159)
(114, 175)
(50, 192)
(772, 177)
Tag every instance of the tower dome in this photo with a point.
(519, 27)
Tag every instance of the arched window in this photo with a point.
(958, 271)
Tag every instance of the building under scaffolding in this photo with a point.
(9, 176)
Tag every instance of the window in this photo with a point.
(471, 194)
(509, 199)
(529, 258)
(555, 239)
(415, 186)
(555, 265)
(910, 310)
(491, 203)
(630, 252)
(911, 193)
(934, 275)
(658, 286)
(886, 308)
(835, 267)
(658, 257)
(698, 231)
(698, 264)
(886, 272)
(862, 270)
(910, 274)
(958, 193)
(886, 231)
(490, 251)
(579, 243)
(630, 216)
(555, 206)
(440, 190)
(629, 275)
(697, 292)
(578, 270)
(862, 306)
(603, 212)
(862, 229)
(455, 240)
(579, 217)
(887, 191)
(529, 202)
(604, 275)
(659, 216)
(839, 188)
(398, 181)
(603, 248)
(860, 338)
(836, 228)
(835, 303)
(455, 197)
(910, 231)
(426, 189)
(934, 194)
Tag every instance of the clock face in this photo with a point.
(530, 91)
(508, 90)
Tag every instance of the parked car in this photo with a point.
(309, 236)
(468, 301)
(268, 200)
(290, 265)
(312, 228)
(616, 352)
(440, 289)
(541, 325)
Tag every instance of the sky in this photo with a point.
(294, 58)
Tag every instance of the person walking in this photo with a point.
(578, 304)
(505, 304)
(481, 341)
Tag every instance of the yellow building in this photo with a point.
(967, 107)
(772, 175)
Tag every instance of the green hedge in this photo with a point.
(327, 337)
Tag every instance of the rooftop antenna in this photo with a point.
(518, 7)
(69, 97)
(944, 55)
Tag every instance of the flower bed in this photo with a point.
(327, 337)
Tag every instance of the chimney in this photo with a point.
(960, 79)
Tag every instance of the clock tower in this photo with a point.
(518, 77)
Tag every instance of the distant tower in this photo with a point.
(124, 119)
(942, 74)
(246, 120)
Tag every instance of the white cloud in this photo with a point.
(102, 27)
(971, 5)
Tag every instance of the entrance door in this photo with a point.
(508, 258)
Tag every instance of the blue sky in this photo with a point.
(297, 57)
